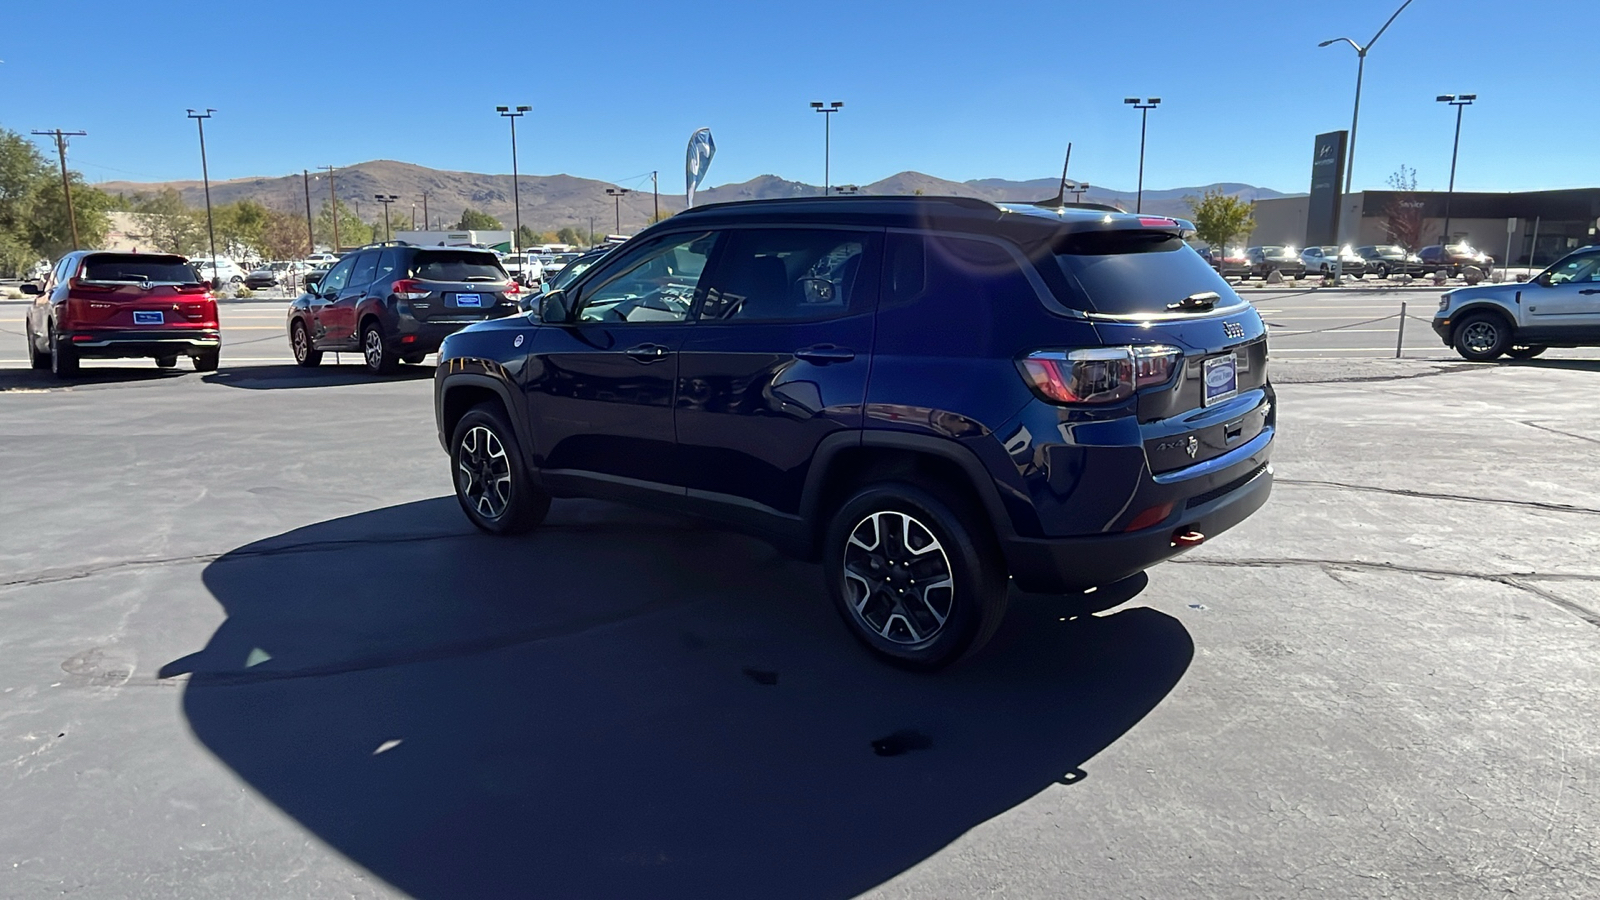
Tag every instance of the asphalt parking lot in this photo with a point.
(252, 648)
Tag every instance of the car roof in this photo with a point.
(942, 213)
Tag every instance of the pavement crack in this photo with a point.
(1522, 581)
(1569, 434)
(1429, 495)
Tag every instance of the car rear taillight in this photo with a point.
(1100, 375)
(512, 289)
(408, 289)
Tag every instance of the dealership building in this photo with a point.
(1543, 225)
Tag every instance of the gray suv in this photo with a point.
(396, 302)
(1560, 307)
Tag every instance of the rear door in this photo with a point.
(600, 388)
(140, 292)
(1144, 287)
(776, 361)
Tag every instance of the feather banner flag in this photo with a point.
(701, 149)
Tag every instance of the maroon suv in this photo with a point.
(108, 305)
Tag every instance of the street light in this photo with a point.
(1355, 118)
(211, 232)
(1144, 122)
(617, 193)
(1078, 191)
(850, 189)
(827, 137)
(386, 199)
(516, 201)
(1460, 102)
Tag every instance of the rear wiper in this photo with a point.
(483, 278)
(1202, 300)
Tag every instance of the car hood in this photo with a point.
(1502, 292)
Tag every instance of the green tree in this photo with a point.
(570, 235)
(352, 231)
(283, 236)
(527, 237)
(1219, 217)
(33, 213)
(166, 223)
(477, 220)
(240, 226)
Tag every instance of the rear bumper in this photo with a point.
(412, 335)
(123, 344)
(1059, 565)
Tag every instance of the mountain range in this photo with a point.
(549, 202)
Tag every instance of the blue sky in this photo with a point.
(960, 91)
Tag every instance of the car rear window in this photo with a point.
(457, 265)
(138, 269)
(1131, 272)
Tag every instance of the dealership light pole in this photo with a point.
(335, 195)
(1355, 115)
(827, 111)
(311, 234)
(205, 177)
(1460, 102)
(516, 200)
(617, 193)
(66, 183)
(1078, 191)
(386, 199)
(427, 223)
(655, 191)
(1144, 123)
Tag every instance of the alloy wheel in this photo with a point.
(898, 579)
(1480, 337)
(372, 348)
(484, 472)
(300, 346)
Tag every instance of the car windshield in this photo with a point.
(572, 270)
(139, 269)
(457, 265)
(1130, 272)
(1278, 252)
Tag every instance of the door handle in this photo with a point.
(647, 352)
(822, 354)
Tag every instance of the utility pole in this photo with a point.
(591, 231)
(205, 176)
(426, 222)
(311, 233)
(516, 202)
(386, 199)
(413, 215)
(827, 138)
(1144, 125)
(333, 194)
(66, 183)
(655, 188)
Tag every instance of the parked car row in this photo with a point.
(1379, 261)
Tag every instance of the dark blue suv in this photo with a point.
(930, 396)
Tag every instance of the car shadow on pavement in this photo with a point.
(625, 703)
(1570, 365)
(39, 379)
(269, 378)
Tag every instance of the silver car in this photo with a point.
(1560, 307)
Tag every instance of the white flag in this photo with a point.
(698, 160)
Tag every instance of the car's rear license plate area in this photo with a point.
(1220, 379)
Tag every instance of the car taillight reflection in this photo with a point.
(1099, 375)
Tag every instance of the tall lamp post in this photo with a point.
(1460, 102)
(205, 177)
(1078, 190)
(1144, 107)
(827, 111)
(617, 193)
(386, 199)
(516, 201)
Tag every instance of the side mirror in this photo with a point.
(553, 308)
(31, 289)
(1543, 279)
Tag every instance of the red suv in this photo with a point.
(105, 305)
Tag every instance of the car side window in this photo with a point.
(64, 269)
(337, 277)
(787, 275)
(1584, 268)
(366, 266)
(388, 263)
(655, 284)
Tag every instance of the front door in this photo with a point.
(1565, 305)
(777, 360)
(339, 319)
(323, 298)
(600, 388)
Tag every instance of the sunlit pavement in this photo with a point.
(251, 648)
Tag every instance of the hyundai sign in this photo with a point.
(1327, 171)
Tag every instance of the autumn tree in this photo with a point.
(1220, 217)
(164, 222)
(477, 220)
(1404, 209)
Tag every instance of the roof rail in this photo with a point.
(381, 244)
(965, 202)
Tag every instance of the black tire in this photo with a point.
(924, 533)
(305, 353)
(1528, 351)
(1481, 337)
(37, 360)
(166, 362)
(1380, 272)
(63, 357)
(484, 450)
(206, 360)
(412, 359)
(375, 352)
